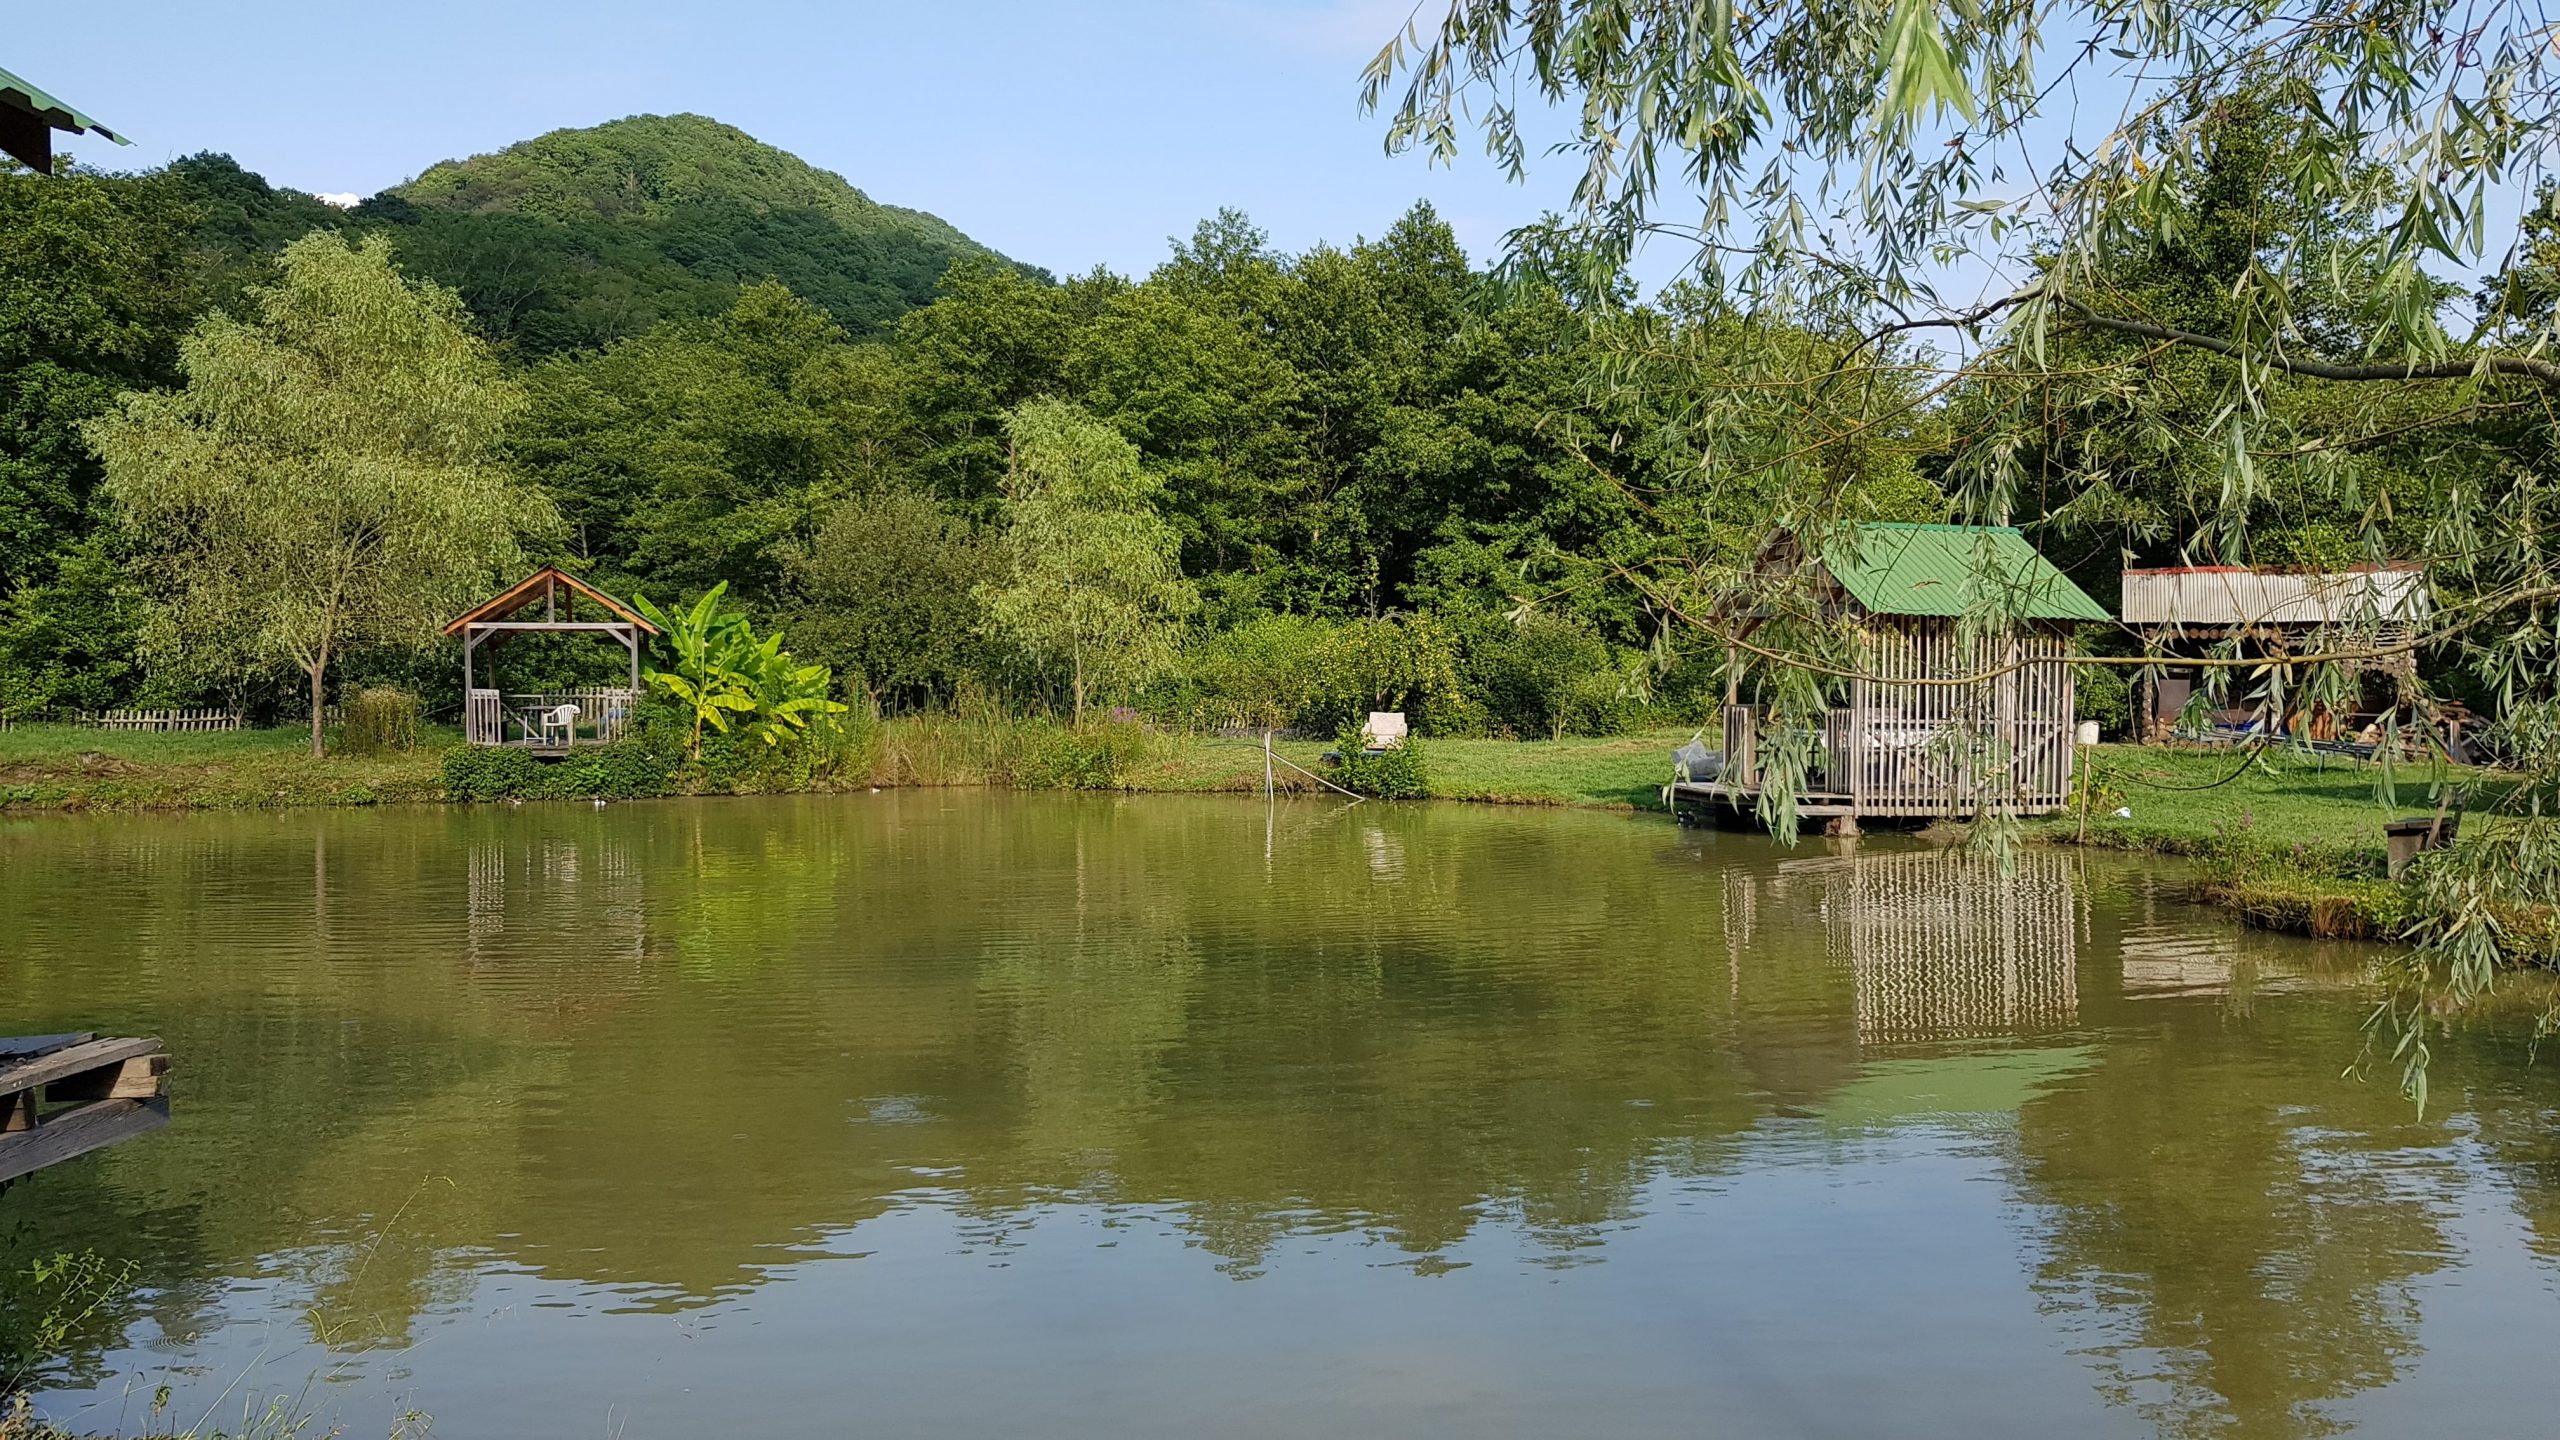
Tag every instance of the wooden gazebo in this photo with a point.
(1941, 720)
(549, 722)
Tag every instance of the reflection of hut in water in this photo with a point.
(1948, 945)
(1940, 945)
(548, 894)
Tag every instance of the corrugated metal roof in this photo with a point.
(1946, 570)
(27, 96)
(2229, 595)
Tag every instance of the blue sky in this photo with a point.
(1064, 134)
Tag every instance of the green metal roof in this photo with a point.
(25, 95)
(1941, 570)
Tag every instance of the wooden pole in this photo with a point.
(1266, 765)
(2084, 792)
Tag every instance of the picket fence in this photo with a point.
(163, 720)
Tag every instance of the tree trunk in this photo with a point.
(1079, 700)
(319, 693)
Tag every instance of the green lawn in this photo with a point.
(1619, 772)
(2281, 800)
(67, 767)
(2190, 801)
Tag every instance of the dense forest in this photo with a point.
(1381, 473)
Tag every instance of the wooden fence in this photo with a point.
(163, 720)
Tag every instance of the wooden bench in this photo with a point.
(63, 1096)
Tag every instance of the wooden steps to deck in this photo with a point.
(63, 1096)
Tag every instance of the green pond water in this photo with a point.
(981, 1114)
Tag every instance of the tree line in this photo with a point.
(1247, 488)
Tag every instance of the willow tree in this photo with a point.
(1093, 590)
(1983, 196)
(326, 478)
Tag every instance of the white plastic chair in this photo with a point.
(564, 720)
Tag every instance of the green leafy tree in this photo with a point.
(327, 479)
(1092, 589)
(683, 456)
(96, 289)
(886, 590)
(992, 339)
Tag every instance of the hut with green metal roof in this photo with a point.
(1960, 698)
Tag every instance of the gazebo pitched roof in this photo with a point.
(524, 592)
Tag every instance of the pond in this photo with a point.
(977, 1113)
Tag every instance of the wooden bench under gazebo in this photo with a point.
(546, 722)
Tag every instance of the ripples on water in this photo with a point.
(994, 1114)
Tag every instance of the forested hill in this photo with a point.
(578, 237)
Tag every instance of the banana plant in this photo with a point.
(707, 643)
(786, 692)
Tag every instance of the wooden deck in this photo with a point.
(1820, 804)
(62, 1096)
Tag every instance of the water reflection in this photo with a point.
(1940, 944)
(661, 1063)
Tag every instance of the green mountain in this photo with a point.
(579, 237)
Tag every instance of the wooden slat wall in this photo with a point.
(483, 718)
(1902, 747)
(1742, 747)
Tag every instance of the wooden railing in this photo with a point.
(532, 718)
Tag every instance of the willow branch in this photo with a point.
(2532, 367)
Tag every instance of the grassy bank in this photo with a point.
(64, 767)
(61, 767)
(2292, 843)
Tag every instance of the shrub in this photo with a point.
(1550, 675)
(641, 765)
(1259, 675)
(1598, 704)
(1394, 662)
(1098, 757)
(1395, 773)
(378, 719)
(2101, 693)
(482, 772)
